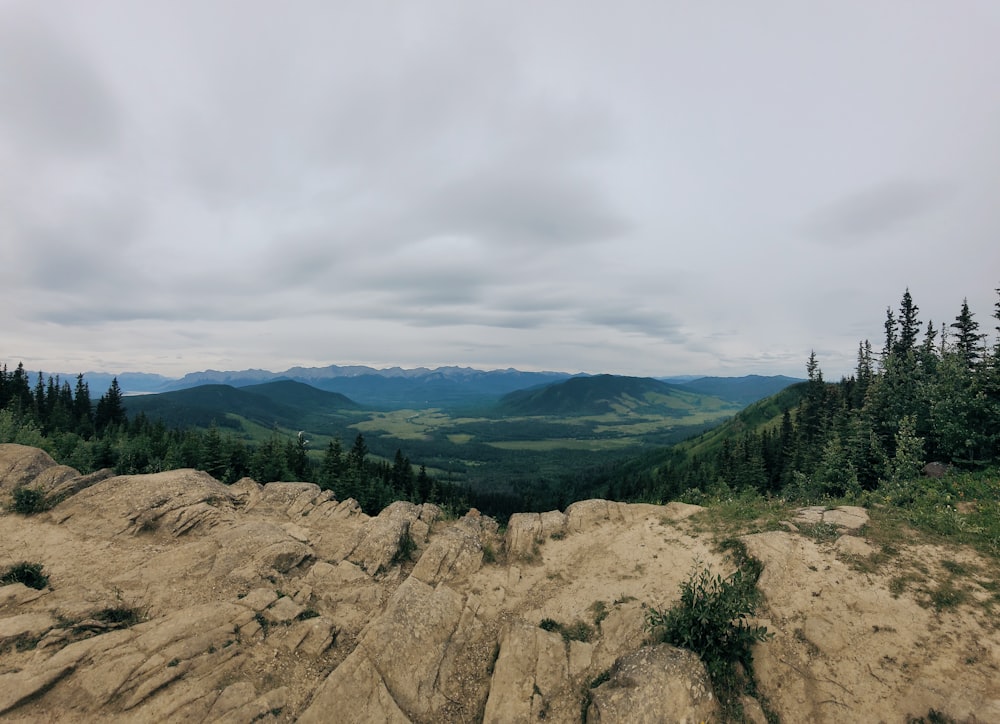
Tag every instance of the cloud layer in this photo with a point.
(654, 188)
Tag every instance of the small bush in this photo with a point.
(711, 620)
(30, 574)
(948, 596)
(933, 717)
(121, 616)
(576, 631)
(28, 501)
(307, 614)
(600, 611)
(489, 553)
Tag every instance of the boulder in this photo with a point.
(454, 553)
(21, 465)
(524, 532)
(426, 654)
(935, 470)
(176, 502)
(531, 672)
(378, 544)
(657, 684)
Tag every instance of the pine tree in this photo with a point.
(909, 326)
(298, 458)
(358, 455)
(332, 469)
(425, 485)
(959, 413)
(909, 456)
(110, 410)
(812, 417)
(863, 374)
(83, 411)
(890, 335)
(968, 340)
(213, 459)
(401, 476)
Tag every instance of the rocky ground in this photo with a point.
(172, 597)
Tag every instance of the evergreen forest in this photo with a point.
(88, 436)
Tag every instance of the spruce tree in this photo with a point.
(968, 340)
(83, 411)
(890, 335)
(909, 326)
(110, 410)
(331, 470)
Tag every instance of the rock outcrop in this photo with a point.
(655, 684)
(172, 597)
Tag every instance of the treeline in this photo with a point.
(930, 394)
(64, 421)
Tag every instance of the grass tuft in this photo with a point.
(30, 574)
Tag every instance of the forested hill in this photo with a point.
(603, 394)
(932, 394)
(284, 402)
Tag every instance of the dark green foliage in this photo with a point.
(933, 717)
(576, 631)
(602, 394)
(51, 416)
(28, 501)
(262, 621)
(121, 616)
(711, 620)
(922, 402)
(30, 574)
(110, 410)
(968, 340)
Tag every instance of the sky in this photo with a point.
(641, 187)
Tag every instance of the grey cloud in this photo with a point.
(525, 205)
(650, 322)
(875, 211)
(82, 247)
(462, 316)
(51, 97)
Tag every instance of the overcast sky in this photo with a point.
(646, 188)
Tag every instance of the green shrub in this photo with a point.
(30, 574)
(489, 553)
(711, 620)
(933, 717)
(121, 616)
(28, 501)
(576, 631)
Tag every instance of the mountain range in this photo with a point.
(420, 387)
